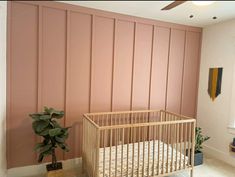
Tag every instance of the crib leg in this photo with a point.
(191, 173)
(83, 168)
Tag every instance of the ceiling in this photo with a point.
(203, 15)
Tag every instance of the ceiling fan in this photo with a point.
(173, 5)
(177, 3)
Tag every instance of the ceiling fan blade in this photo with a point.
(173, 5)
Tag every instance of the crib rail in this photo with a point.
(137, 143)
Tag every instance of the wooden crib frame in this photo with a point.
(126, 130)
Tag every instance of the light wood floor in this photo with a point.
(210, 168)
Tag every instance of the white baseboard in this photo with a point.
(228, 158)
(37, 170)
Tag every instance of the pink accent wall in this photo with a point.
(142, 66)
(175, 70)
(191, 70)
(161, 43)
(84, 60)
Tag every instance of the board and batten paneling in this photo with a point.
(22, 84)
(142, 66)
(123, 59)
(53, 61)
(78, 78)
(161, 42)
(102, 64)
(191, 74)
(84, 60)
(175, 70)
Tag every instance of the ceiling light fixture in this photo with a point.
(203, 3)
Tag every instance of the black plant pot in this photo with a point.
(58, 166)
(198, 158)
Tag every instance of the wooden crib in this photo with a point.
(137, 143)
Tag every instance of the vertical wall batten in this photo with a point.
(113, 59)
(39, 78)
(151, 67)
(91, 58)
(168, 61)
(133, 66)
(66, 68)
(182, 82)
(39, 81)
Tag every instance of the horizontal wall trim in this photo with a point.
(86, 10)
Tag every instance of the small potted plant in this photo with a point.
(45, 124)
(199, 140)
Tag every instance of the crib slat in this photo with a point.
(123, 131)
(185, 140)
(116, 149)
(193, 148)
(167, 147)
(154, 143)
(138, 160)
(177, 143)
(104, 154)
(173, 145)
(97, 140)
(149, 129)
(143, 164)
(181, 130)
(110, 151)
(163, 150)
(128, 141)
(189, 143)
(158, 150)
(133, 149)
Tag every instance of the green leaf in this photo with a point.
(40, 158)
(46, 148)
(38, 146)
(44, 132)
(199, 139)
(40, 125)
(44, 154)
(60, 139)
(45, 117)
(54, 132)
(57, 114)
(63, 147)
(55, 124)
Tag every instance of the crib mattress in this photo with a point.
(124, 166)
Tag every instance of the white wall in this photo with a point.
(218, 50)
(3, 89)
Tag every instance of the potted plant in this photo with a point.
(199, 140)
(46, 125)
